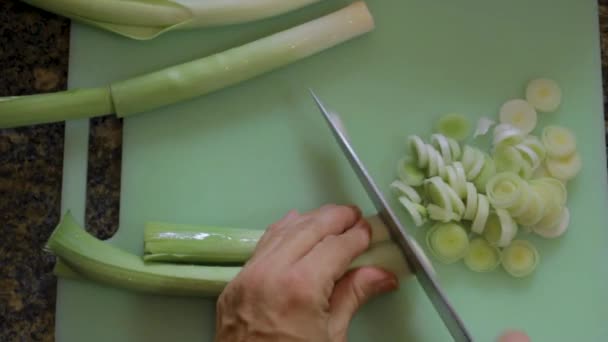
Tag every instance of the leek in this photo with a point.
(147, 19)
(82, 256)
(191, 79)
(182, 243)
(93, 259)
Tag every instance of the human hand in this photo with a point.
(295, 286)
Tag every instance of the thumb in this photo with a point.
(354, 290)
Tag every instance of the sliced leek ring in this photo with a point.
(481, 256)
(519, 114)
(559, 141)
(544, 94)
(520, 258)
(404, 189)
(448, 242)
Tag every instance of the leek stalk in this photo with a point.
(191, 79)
(83, 257)
(181, 243)
(147, 19)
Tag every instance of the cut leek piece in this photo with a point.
(471, 205)
(417, 212)
(507, 158)
(558, 229)
(469, 156)
(181, 243)
(441, 143)
(455, 126)
(534, 210)
(477, 166)
(520, 258)
(448, 242)
(142, 20)
(404, 189)
(482, 214)
(566, 168)
(540, 172)
(185, 81)
(507, 134)
(457, 179)
(558, 188)
(481, 256)
(559, 141)
(483, 126)
(440, 214)
(487, 172)
(544, 94)
(455, 147)
(505, 189)
(553, 207)
(408, 172)
(198, 244)
(418, 149)
(530, 156)
(437, 193)
(500, 228)
(437, 165)
(519, 114)
(536, 145)
(104, 263)
(457, 203)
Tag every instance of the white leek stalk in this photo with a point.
(191, 79)
(147, 19)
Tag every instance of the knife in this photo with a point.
(406, 243)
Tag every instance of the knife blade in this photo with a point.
(421, 269)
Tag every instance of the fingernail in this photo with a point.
(355, 208)
(386, 285)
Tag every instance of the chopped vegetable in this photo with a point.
(544, 94)
(440, 214)
(409, 173)
(520, 258)
(404, 189)
(519, 114)
(196, 78)
(564, 169)
(505, 189)
(500, 228)
(455, 126)
(448, 242)
(507, 134)
(520, 181)
(556, 230)
(417, 212)
(483, 126)
(559, 142)
(482, 214)
(471, 205)
(149, 19)
(481, 256)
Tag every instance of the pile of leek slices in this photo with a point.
(475, 201)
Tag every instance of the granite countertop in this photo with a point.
(34, 48)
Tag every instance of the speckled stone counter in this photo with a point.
(34, 48)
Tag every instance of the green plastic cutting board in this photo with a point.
(245, 155)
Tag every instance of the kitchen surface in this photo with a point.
(34, 52)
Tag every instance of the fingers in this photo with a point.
(514, 336)
(272, 236)
(313, 227)
(352, 291)
(332, 256)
